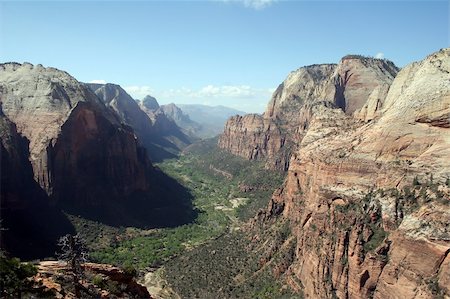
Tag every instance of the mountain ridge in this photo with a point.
(272, 135)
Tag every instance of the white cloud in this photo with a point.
(258, 4)
(242, 97)
(379, 55)
(138, 92)
(227, 91)
(255, 4)
(218, 92)
(98, 81)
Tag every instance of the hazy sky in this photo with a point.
(233, 53)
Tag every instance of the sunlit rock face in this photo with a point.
(358, 85)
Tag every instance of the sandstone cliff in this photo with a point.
(368, 204)
(82, 155)
(358, 85)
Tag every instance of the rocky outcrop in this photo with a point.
(358, 85)
(155, 131)
(100, 281)
(368, 203)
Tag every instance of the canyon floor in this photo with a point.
(209, 256)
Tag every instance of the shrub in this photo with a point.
(97, 280)
(130, 270)
(379, 234)
(14, 277)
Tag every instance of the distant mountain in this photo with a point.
(150, 102)
(156, 132)
(190, 127)
(211, 118)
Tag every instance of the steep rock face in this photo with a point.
(307, 84)
(359, 80)
(43, 102)
(358, 85)
(82, 154)
(27, 218)
(14, 155)
(362, 227)
(90, 147)
(168, 139)
(39, 100)
(254, 137)
(157, 133)
(174, 113)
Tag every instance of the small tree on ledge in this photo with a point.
(74, 253)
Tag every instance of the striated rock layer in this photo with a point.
(358, 85)
(368, 204)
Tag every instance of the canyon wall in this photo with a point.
(368, 203)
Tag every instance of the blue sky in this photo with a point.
(232, 53)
